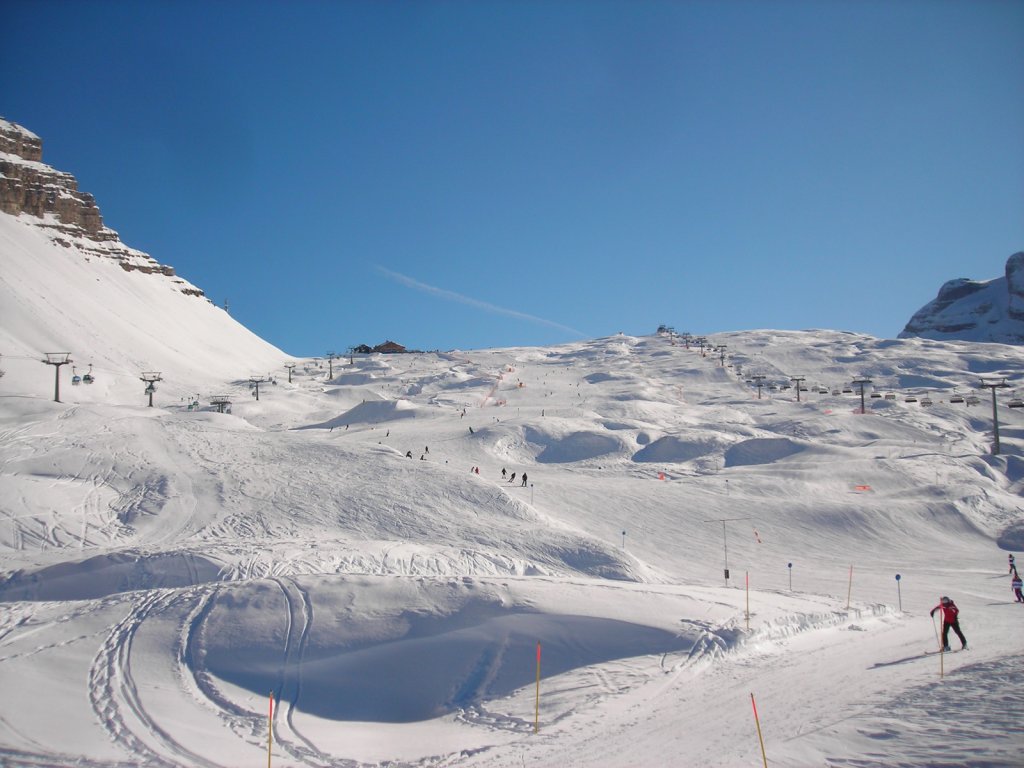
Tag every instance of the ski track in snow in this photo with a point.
(300, 619)
(115, 696)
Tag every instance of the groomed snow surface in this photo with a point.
(166, 569)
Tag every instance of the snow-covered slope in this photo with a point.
(69, 285)
(167, 569)
(973, 310)
(122, 323)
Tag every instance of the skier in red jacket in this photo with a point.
(950, 619)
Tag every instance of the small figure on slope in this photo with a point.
(950, 620)
(1016, 585)
(1013, 564)
(524, 479)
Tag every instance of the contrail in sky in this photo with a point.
(452, 296)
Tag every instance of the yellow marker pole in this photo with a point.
(536, 715)
(849, 592)
(270, 728)
(760, 738)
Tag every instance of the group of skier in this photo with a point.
(512, 478)
(951, 614)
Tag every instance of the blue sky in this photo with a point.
(482, 174)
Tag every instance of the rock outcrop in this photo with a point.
(50, 199)
(973, 310)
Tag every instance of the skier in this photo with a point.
(504, 474)
(1016, 584)
(1013, 564)
(512, 479)
(950, 620)
(408, 454)
(524, 479)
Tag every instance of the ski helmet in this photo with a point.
(945, 600)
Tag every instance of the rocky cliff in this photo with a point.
(972, 310)
(50, 199)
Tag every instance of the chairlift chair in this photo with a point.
(910, 399)
(836, 392)
(956, 398)
(87, 378)
(76, 379)
(876, 395)
(1015, 402)
(972, 400)
(890, 395)
(926, 401)
(847, 390)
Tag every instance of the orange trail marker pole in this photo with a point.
(536, 715)
(270, 728)
(849, 591)
(760, 738)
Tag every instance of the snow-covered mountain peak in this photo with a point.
(975, 310)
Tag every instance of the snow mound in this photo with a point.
(106, 575)
(354, 379)
(678, 449)
(602, 376)
(375, 412)
(761, 451)
(576, 446)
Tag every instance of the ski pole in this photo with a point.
(938, 643)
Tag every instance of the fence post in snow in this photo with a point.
(536, 712)
(747, 574)
(849, 591)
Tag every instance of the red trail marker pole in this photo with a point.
(270, 728)
(760, 738)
